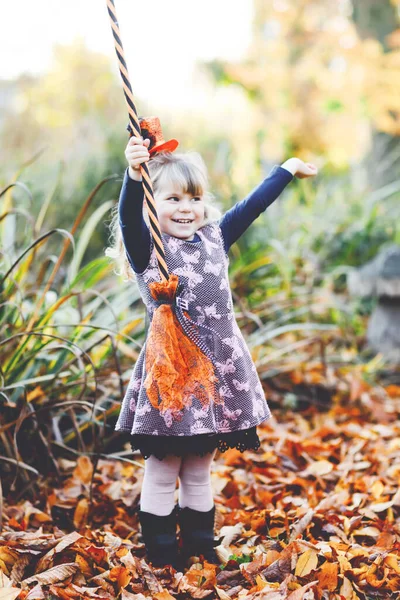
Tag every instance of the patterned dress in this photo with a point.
(203, 294)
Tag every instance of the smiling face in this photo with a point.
(179, 195)
(180, 213)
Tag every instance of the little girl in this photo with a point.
(182, 443)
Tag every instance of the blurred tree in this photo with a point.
(76, 113)
(71, 108)
(316, 86)
(380, 19)
(375, 18)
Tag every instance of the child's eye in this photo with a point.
(174, 198)
(197, 199)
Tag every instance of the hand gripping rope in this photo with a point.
(134, 123)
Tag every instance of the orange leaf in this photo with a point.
(121, 575)
(232, 457)
(84, 469)
(99, 555)
(164, 595)
(81, 513)
(393, 391)
(84, 566)
(37, 392)
(16, 525)
(258, 525)
(204, 578)
(372, 576)
(328, 576)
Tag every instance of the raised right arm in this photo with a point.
(135, 233)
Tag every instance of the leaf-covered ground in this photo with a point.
(314, 514)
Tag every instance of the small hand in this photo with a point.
(305, 170)
(136, 153)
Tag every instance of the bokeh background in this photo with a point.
(248, 84)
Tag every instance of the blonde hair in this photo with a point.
(189, 172)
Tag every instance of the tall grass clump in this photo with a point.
(68, 337)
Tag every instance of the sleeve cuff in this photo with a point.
(287, 175)
(131, 182)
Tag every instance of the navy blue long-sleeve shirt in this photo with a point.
(233, 223)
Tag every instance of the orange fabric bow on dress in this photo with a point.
(176, 368)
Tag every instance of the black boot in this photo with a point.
(159, 536)
(197, 534)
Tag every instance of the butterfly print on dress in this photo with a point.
(231, 414)
(207, 311)
(214, 233)
(241, 386)
(142, 410)
(224, 426)
(135, 384)
(170, 416)
(211, 311)
(173, 245)
(188, 295)
(210, 268)
(225, 392)
(201, 413)
(194, 278)
(258, 407)
(226, 367)
(151, 274)
(207, 243)
(259, 389)
(198, 426)
(233, 342)
(191, 258)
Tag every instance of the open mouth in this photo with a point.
(183, 221)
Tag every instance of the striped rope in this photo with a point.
(135, 125)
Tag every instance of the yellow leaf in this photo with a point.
(377, 489)
(307, 562)
(261, 583)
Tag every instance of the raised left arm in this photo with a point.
(238, 218)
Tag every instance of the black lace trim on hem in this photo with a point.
(161, 446)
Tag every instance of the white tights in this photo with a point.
(159, 483)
